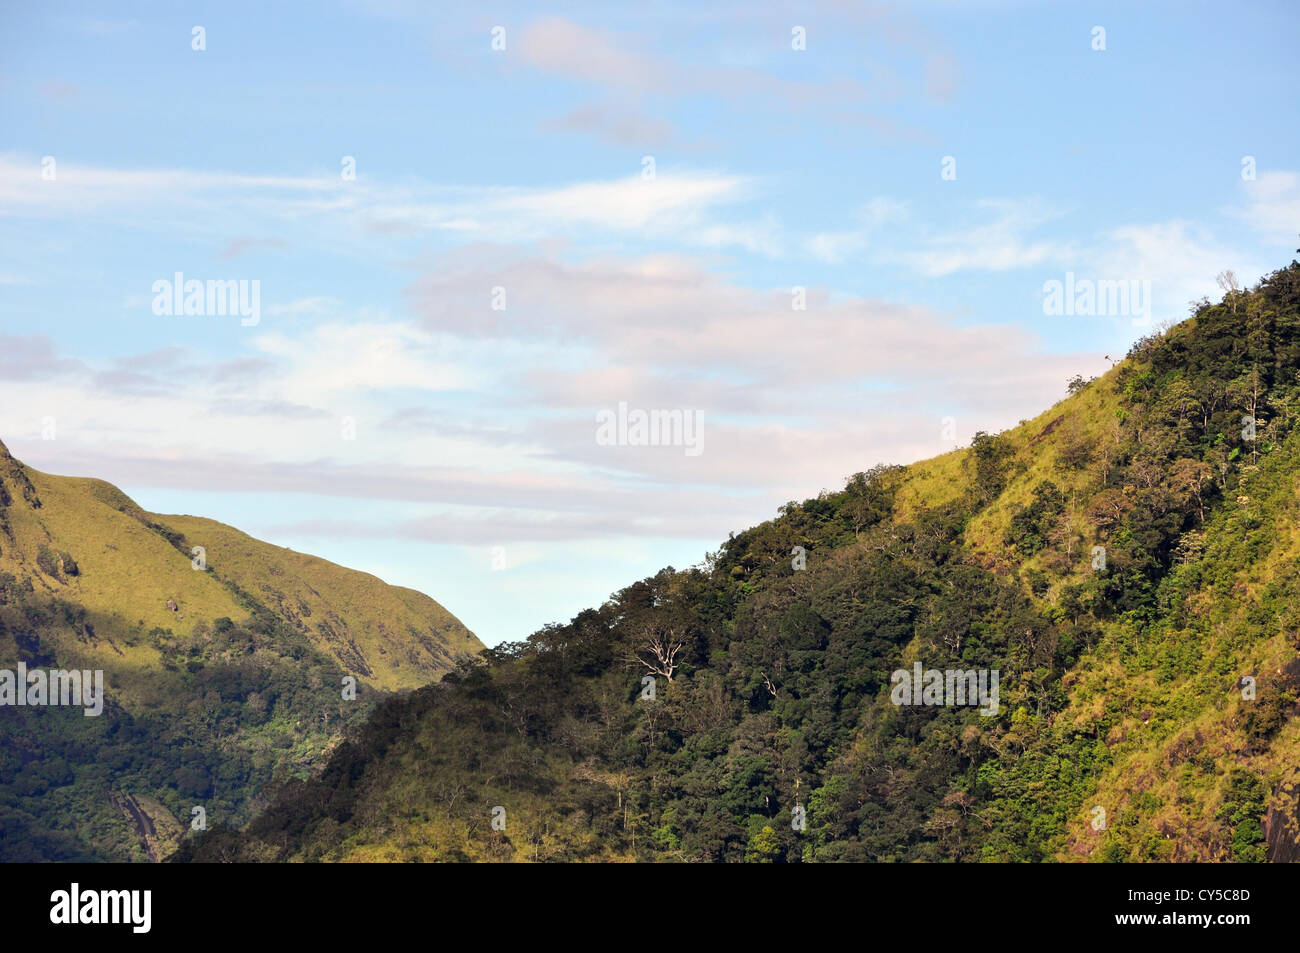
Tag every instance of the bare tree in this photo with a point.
(1227, 281)
(659, 651)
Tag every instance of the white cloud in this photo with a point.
(338, 361)
(1001, 242)
(1273, 205)
(633, 203)
(835, 247)
(677, 204)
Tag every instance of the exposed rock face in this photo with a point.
(1282, 827)
(13, 474)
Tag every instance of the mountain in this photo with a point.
(1115, 585)
(223, 667)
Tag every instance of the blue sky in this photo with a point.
(475, 473)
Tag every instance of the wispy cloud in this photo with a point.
(624, 73)
(998, 238)
(676, 204)
(1272, 205)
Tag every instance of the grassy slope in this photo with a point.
(392, 638)
(126, 570)
(1171, 740)
(1177, 740)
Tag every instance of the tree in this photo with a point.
(990, 454)
(1188, 478)
(868, 497)
(1227, 281)
(1109, 507)
(764, 847)
(1074, 449)
(660, 651)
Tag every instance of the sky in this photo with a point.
(825, 234)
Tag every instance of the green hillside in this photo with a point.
(391, 637)
(217, 679)
(1128, 562)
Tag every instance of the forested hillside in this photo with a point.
(1128, 562)
(223, 659)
